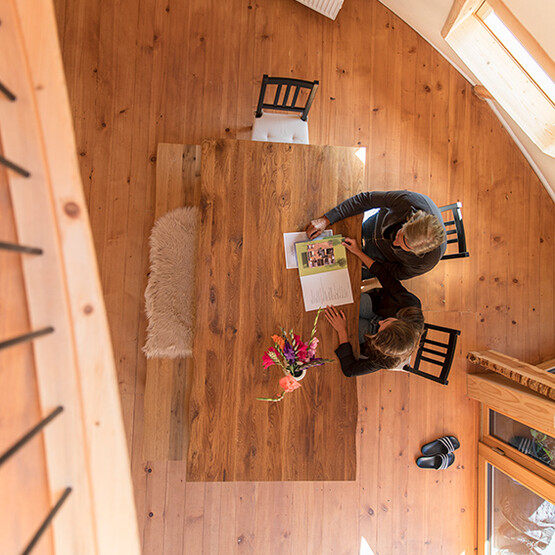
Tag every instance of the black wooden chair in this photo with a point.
(437, 349)
(454, 225)
(291, 99)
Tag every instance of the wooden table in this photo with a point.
(251, 193)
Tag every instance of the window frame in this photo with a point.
(500, 72)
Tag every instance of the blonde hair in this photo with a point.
(423, 232)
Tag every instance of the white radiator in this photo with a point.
(329, 8)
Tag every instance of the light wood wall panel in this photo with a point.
(179, 72)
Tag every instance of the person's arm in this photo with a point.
(389, 269)
(352, 246)
(338, 322)
(315, 227)
(351, 207)
(381, 270)
(350, 366)
(366, 201)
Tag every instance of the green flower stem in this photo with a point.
(270, 399)
(315, 324)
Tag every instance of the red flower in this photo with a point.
(267, 359)
(302, 353)
(289, 383)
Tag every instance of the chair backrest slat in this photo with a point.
(295, 96)
(278, 91)
(284, 105)
(454, 226)
(286, 95)
(437, 343)
(433, 352)
(444, 357)
(432, 361)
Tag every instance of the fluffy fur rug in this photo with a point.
(170, 293)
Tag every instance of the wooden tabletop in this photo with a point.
(253, 192)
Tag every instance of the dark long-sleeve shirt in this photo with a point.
(386, 302)
(350, 366)
(396, 207)
(392, 296)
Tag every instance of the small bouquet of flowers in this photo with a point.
(294, 357)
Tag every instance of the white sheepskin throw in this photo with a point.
(170, 293)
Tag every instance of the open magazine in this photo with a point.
(291, 239)
(323, 272)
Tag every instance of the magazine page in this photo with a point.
(323, 272)
(321, 255)
(291, 239)
(329, 288)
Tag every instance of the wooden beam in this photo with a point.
(526, 374)
(510, 398)
(460, 10)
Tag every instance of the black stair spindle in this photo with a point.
(29, 435)
(46, 522)
(20, 248)
(14, 167)
(25, 337)
(6, 92)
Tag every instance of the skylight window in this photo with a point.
(509, 63)
(515, 49)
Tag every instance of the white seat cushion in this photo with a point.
(280, 128)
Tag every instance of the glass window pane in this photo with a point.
(529, 441)
(519, 521)
(519, 53)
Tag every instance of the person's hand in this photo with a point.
(351, 245)
(338, 322)
(315, 227)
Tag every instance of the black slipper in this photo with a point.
(443, 445)
(437, 462)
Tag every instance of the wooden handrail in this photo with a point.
(85, 447)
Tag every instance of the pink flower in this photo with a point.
(312, 348)
(289, 383)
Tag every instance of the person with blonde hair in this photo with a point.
(406, 233)
(390, 323)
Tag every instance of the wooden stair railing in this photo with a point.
(85, 450)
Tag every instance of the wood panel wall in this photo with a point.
(140, 73)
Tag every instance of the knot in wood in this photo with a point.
(72, 209)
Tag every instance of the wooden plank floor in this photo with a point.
(141, 73)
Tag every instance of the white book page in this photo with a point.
(291, 239)
(329, 288)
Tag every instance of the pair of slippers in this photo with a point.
(438, 454)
